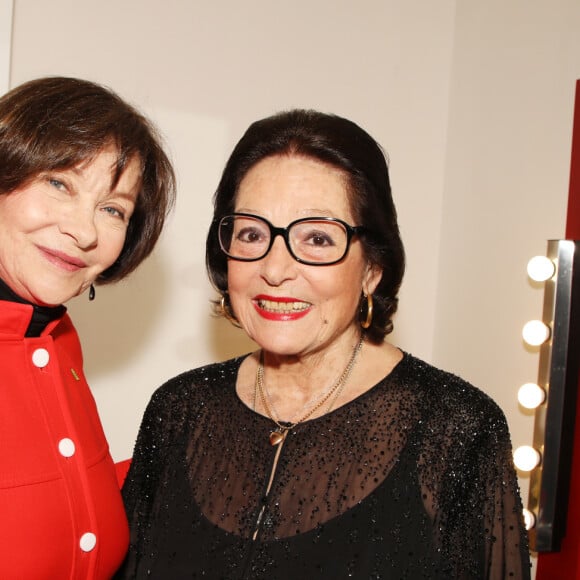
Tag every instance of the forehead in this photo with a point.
(294, 183)
(105, 166)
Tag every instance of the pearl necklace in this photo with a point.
(279, 434)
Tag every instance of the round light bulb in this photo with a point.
(531, 395)
(535, 332)
(541, 268)
(529, 519)
(526, 458)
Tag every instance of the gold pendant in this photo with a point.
(276, 437)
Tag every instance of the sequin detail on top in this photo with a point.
(413, 479)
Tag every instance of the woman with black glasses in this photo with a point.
(328, 452)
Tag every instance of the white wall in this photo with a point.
(5, 43)
(472, 101)
(515, 66)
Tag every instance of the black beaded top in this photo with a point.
(413, 479)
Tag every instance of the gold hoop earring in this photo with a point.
(225, 312)
(369, 319)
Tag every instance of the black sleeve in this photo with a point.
(483, 529)
(145, 478)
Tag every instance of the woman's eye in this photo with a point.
(249, 235)
(319, 239)
(56, 183)
(115, 212)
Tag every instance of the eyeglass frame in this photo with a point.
(351, 231)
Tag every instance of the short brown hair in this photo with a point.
(58, 122)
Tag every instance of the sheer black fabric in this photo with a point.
(413, 479)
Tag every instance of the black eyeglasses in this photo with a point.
(316, 241)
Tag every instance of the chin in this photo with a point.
(280, 347)
(50, 303)
(51, 298)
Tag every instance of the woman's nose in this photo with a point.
(79, 223)
(278, 265)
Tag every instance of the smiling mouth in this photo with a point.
(283, 307)
(62, 260)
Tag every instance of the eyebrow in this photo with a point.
(77, 170)
(128, 196)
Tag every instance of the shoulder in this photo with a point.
(449, 398)
(205, 382)
(65, 336)
(191, 394)
(61, 327)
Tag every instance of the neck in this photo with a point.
(41, 315)
(317, 391)
(306, 374)
(6, 293)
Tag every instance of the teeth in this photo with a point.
(274, 306)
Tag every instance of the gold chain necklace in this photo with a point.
(279, 434)
(308, 405)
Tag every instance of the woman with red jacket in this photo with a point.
(85, 187)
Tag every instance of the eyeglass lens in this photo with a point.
(311, 240)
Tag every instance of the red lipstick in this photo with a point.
(280, 308)
(62, 260)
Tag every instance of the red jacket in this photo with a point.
(61, 513)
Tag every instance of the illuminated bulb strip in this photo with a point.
(529, 519)
(526, 458)
(531, 395)
(535, 332)
(541, 268)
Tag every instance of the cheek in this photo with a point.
(341, 284)
(111, 247)
(343, 295)
(237, 286)
(21, 218)
(240, 275)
